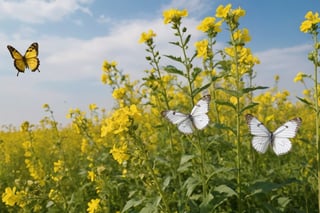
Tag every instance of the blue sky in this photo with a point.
(75, 36)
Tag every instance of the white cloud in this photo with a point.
(285, 62)
(39, 11)
(103, 19)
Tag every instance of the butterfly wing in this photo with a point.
(182, 120)
(281, 143)
(31, 57)
(261, 135)
(18, 59)
(199, 112)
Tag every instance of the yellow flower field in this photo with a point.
(132, 159)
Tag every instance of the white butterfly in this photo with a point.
(198, 117)
(279, 139)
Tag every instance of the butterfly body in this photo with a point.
(198, 117)
(29, 60)
(278, 140)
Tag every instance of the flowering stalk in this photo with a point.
(154, 60)
(311, 25)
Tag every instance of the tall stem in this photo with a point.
(315, 39)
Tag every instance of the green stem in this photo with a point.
(238, 136)
(186, 63)
(315, 38)
(144, 153)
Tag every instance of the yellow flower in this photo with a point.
(93, 107)
(45, 106)
(222, 12)
(234, 100)
(276, 77)
(91, 176)
(208, 23)
(311, 21)
(299, 77)
(119, 93)
(93, 205)
(242, 36)
(9, 197)
(58, 166)
(202, 48)
(120, 121)
(120, 154)
(237, 13)
(173, 15)
(306, 92)
(106, 66)
(147, 36)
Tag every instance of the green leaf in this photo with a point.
(191, 183)
(248, 107)
(187, 40)
(185, 163)
(198, 90)
(283, 201)
(132, 203)
(225, 103)
(226, 190)
(175, 43)
(303, 100)
(173, 70)
(178, 59)
(186, 158)
(195, 73)
(250, 89)
(222, 126)
(234, 93)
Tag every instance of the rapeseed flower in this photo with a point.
(147, 36)
(202, 48)
(93, 205)
(120, 153)
(107, 66)
(210, 24)
(174, 15)
(311, 22)
(120, 121)
(91, 176)
(241, 36)
(119, 93)
(58, 166)
(222, 12)
(9, 197)
(299, 77)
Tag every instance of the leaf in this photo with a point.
(166, 182)
(185, 159)
(303, 100)
(195, 73)
(224, 189)
(248, 107)
(175, 43)
(191, 183)
(174, 70)
(223, 126)
(198, 90)
(185, 163)
(250, 89)
(178, 59)
(132, 203)
(225, 103)
(234, 93)
(283, 201)
(187, 40)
